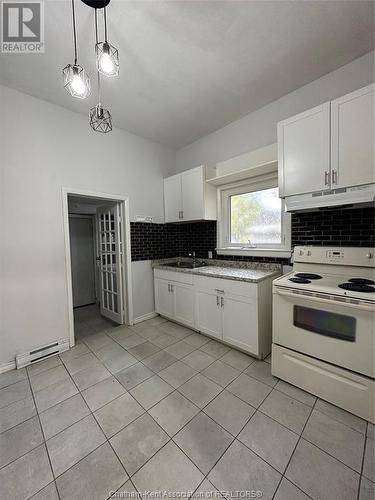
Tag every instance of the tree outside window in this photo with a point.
(255, 218)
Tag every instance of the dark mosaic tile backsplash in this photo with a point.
(335, 227)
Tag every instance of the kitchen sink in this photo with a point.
(186, 265)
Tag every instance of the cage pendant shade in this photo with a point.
(100, 119)
(76, 81)
(107, 60)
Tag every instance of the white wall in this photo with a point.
(45, 147)
(259, 128)
(143, 289)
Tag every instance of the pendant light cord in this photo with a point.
(105, 24)
(96, 41)
(74, 33)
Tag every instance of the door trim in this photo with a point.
(127, 272)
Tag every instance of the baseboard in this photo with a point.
(5, 367)
(145, 317)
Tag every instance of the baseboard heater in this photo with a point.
(41, 353)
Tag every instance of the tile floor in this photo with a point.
(159, 407)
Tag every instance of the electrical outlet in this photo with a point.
(141, 218)
(210, 254)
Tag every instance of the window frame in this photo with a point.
(224, 245)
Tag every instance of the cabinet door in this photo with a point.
(172, 198)
(163, 298)
(353, 141)
(240, 322)
(192, 183)
(183, 300)
(304, 152)
(208, 313)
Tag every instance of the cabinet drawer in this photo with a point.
(234, 287)
(172, 276)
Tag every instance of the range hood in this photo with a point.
(332, 197)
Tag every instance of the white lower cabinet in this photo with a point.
(234, 312)
(208, 314)
(228, 316)
(183, 303)
(175, 301)
(240, 322)
(163, 298)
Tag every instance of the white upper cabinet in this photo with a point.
(172, 198)
(304, 152)
(353, 138)
(187, 196)
(328, 147)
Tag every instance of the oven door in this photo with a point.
(340, 333)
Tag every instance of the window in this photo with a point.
(253, 220)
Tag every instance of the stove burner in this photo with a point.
(299, 280)
(355, 287)
(308, 276)
(361, 281)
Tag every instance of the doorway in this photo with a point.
(83, 258)
(98, 263)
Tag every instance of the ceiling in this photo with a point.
(187, 68)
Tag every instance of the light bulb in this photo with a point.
(106, 63)
(76, 81)
(78, 85)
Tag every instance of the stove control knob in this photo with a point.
(308, 252)
(369, 255)
(301, 252)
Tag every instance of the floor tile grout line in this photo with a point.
(12, 383)
(23, 421)
(108, 439)
(17, 400)
(294, 450)
(200, 410)
(41, 489)
(339, 421)
(362, 464)
(43, 435)
(104, 435)
(257, 409)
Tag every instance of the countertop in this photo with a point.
(250, 272)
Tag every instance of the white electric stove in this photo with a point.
(324, 326)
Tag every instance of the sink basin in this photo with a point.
(186, 265)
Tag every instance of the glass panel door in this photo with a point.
(110, 253)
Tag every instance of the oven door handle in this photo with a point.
(322, 300)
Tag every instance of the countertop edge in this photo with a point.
(197, 272)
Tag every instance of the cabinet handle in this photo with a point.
(334, 176)
(217, 301)
(179, 214)
(326, 178)
(219, 291)
(171, 288)
(182, 214)
(222, 301)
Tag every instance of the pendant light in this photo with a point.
(100, 118)
(107, 61)
(76, 80)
